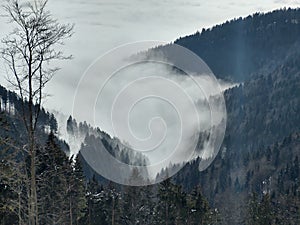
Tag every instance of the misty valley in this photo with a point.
(239, 166)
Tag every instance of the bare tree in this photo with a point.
(28, 52)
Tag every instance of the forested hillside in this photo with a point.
(254, 180)
(261, 146)
(93, 139)
(242, 47)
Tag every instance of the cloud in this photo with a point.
(157, 109)
(102, 25)
(289, 2)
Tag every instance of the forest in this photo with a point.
(254, 180)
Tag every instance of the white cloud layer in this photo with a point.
(104, 24)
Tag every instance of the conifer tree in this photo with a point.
(77, 198)
(165, 210)
(53, 172)
(199, 211)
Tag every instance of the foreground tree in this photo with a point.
(61, 186)
(9, 185)
(260, 211)
(13, 174)
(166, 206)
(199, 211)
(77, 190)
(28, 52)
(54, 172)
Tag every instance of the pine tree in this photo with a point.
(180, 202)
(165, 210)
(53, 172)
(77, 198)
(146, 213)
(95, 204)
(13, 175)
(260, 212)
(253, 210)
(266, 210)
(112, 204)
(198, 208)
(131, 200)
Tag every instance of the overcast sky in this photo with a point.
(101, 25)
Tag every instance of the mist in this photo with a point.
(152, 106)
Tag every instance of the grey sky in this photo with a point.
(101, 25)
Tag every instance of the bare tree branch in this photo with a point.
(29, 52)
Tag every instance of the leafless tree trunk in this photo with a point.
(28, 51)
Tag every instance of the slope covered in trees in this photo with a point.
(241, 47)
(94, 139)
(261, 143)
(60, 180)
(256, 172)
(66, 196)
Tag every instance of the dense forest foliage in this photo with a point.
(67, 196)
(255, 179)
(260, 152)
(242, 47)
